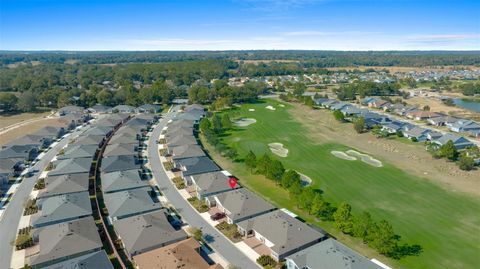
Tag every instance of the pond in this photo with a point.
(470, 105)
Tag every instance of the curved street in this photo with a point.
(219, 242)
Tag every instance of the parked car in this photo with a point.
(217, 216)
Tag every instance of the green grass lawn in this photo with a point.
(444, 223)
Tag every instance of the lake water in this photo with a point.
(474, 106)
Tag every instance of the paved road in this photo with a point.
(220, 244)
(11, 217)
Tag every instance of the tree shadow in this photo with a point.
(407, 250)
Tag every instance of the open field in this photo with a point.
(446, 224)
(30, 123)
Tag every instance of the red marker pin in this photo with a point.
(233, 182)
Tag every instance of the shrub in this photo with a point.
(23, 241)
(40, 184)
(200, 206)
(49, 167)
(168, 166)
(266, 261)
(30, 207)
(179, 183)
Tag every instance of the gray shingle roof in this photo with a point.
(142, 233)
(71, 166)
(99, 130)
(66, 239)
(285, 232)
(50, 131)
(242, 203)
(95, 260)
(186, 151)
(123, 138)
(28, 140)
(63, 184)
(212, 183)
(78, 151)
(132, 202)
(119, 163)
(182, 140)
(196, 165)
(16, 151)
(62, 208)
(89, 140)
(120, 149)
(122, 180)
(179, 131)
(331, 254)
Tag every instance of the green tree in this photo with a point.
(309, 102)
(426, 108)
(383, 238)
(362, 225)
(295, 189)
(318, 205)
(8, 101)
(27, 101)
(226, 122)
(466, 163)
(263, 164)
(205, 124)
(275, 170)
(289, 178)
(299, 88)
(343, 218)
(217, 124)
(338, 115)
(359, 125)
(64, 99)
(251, 160)
(305, 199)
(449, 151)
(105, 97)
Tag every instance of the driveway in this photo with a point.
(11, 216)
(217, 241)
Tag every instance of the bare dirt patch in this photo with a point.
(412, 158)
(243, 122)
(278, 149)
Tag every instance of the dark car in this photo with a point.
(217, 216)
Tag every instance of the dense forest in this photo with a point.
(55, 79)
(309, 58)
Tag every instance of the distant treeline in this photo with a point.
(309, 58)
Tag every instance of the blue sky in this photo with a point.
(240, 24)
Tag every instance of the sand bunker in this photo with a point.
(365, 158)
(251, 109)
(278, 149)
(281, 105)
(242, 122)
(270, 107)
(342, 155)
(306, 180)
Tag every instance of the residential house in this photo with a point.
(10, 168)
(184, 254)
(97, 140)
(122, 180)
(67, 110)
(320, 101)
(143, 233)
(212, 183)
(24, 152)
(379, 103)
(71, 166)
(240, 205)
(63, 241)
(62, 208)
(99, 109)
(339, 106)
(65, 184)
(465, 126)
(127, 203)
(329, 103)
(121, 149)
(282, 234)
(51, 132)
(178, 131)
(352, 110)
(417, 133)
(185, 151)
(97, 260)
(125, 138)
(459, 141)
(78, 151)
(182, 140)
(123, 109)
(38, 141)
(393, 126)
(195, 165)
(149, 108)
(105, 131)
(422, 115)
(433, 135)
(442, 120)
(120, 163)
(329, 254)
(408, 109)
